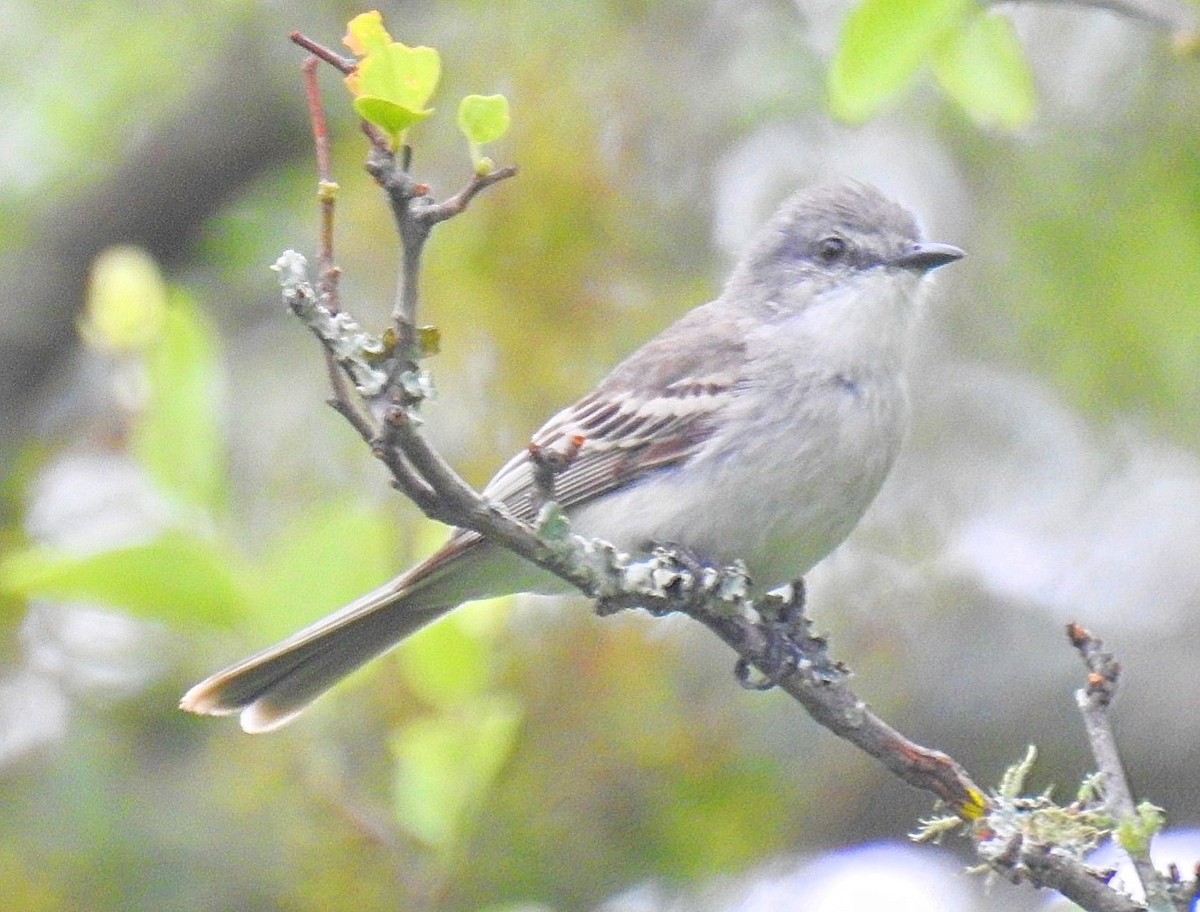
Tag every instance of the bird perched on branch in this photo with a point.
(758, 427)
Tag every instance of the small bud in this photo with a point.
(429, 340)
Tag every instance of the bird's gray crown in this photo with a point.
(854, 208)
(858, 214)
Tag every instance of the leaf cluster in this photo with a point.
(393, 83)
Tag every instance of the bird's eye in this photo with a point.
(831, 249)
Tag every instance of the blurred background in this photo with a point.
(175, 494)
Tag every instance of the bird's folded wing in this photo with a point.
(656, 410)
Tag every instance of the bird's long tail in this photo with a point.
(272, 687)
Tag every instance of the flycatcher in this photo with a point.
(758, 427)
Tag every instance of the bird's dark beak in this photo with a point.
(923, 257)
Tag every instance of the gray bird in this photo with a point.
(758, 427)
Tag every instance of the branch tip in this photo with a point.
(346, 65)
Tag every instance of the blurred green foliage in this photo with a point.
(982, 67)
(974, 54)
(1125, 335)
(178, 437)
(176, 577)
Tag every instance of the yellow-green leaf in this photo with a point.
(127, 301)
(404, 76)
(884, 43)
(178, 577)
(483, 118)
(365, 33)
(983, 68)
(388, 116)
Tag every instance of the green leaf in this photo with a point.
(983, 68)
(483, 118)
(393, 82)
(365, 34)
(404, 76)
(178, 578)
(178, 438)
(884, 42)
(388, 116)
(445, 766)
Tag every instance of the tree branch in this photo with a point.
(1083, 886)
(345, 65)
(1136, 825)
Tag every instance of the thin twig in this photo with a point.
(345, 401)
(455, 497)
(327, 276)
(1094, 701)
(459, 202)
(1082, 886)
(404, 478)
(326, 186)
(415, 215)
(402, 190)
(346, 64)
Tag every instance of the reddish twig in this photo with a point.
(327, 273)
(345, 400)
(455, 204)
(346, 65)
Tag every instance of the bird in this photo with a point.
(758, 427)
